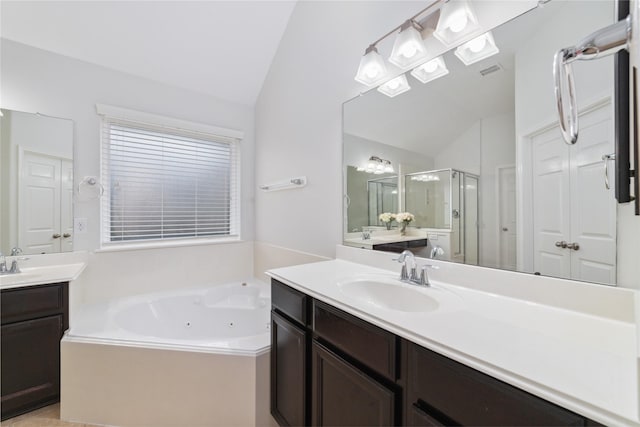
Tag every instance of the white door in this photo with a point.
(551, 205)
(45, 204)
(593, 207)
(571, 204)
(507, 217)
(66, 206)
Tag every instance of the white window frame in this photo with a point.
(108, 112)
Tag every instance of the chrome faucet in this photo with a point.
(412, 276)
(14, 263)
(436, 251)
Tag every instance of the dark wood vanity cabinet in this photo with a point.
(289, 356)
(33, 320)
(330, 368)
(442, 392)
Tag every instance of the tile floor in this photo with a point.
(49, 416)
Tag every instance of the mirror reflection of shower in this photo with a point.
(445, 202)
(383, 197)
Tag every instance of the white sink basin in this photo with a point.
(389, 294)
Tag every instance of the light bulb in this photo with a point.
(409, 50)
(372, 71)
(430, 66)
(458, 21)
(477, 45)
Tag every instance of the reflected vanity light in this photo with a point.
(395, 86)
(457, 22)
(425, 178)
(430, 70)
(372, 70)
(377, 166)
(477, 49)
(408, 48)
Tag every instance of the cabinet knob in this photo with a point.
(505, 229)
(561, 244)
(56, 236)
(66, 235)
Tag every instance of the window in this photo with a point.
(164, 183)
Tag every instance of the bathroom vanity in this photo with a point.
(34, 313)
(33, 321)
(351, 347)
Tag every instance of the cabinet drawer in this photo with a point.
(33, 301)
(370, 345)
(289, 301)
(469, 397)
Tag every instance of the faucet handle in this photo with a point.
(403, 273)
(424, 277)
(16, 251)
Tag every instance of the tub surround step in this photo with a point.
(580, 361)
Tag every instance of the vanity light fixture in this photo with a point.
(477, 49)
(408, 49)
(377, 166)
(372, 70)
(457, 22)
(430, 70)
(395, 86)
(425, 178)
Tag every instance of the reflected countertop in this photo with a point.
(43, 269)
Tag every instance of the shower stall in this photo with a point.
(445, 202)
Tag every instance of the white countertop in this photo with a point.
(43, 269)
(584, 362)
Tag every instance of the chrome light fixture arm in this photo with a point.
(598, 44)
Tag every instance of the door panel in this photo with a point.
(507, 211)
(593, 207)
(551, 204)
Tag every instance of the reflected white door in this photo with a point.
(551, 207)
(571, 203)
(45, 213)
(507, 213)
(593, 207)
(66, 206)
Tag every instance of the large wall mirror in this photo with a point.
(36, 190)
(477, 157)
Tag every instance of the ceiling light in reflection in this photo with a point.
(477, 49)
(430, 70)
(395, 86)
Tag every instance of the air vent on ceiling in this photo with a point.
(492, 69)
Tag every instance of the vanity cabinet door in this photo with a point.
(342, 395)
(30, 364)
(288, 372)
(455, 394)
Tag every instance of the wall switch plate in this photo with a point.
(80, 225)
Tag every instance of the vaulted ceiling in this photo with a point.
(222, 48)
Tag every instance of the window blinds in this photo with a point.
(164, 183)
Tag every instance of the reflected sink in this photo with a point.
(390, 294)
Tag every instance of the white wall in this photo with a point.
(39, 81)
(299, 123)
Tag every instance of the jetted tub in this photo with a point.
(192, 357)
